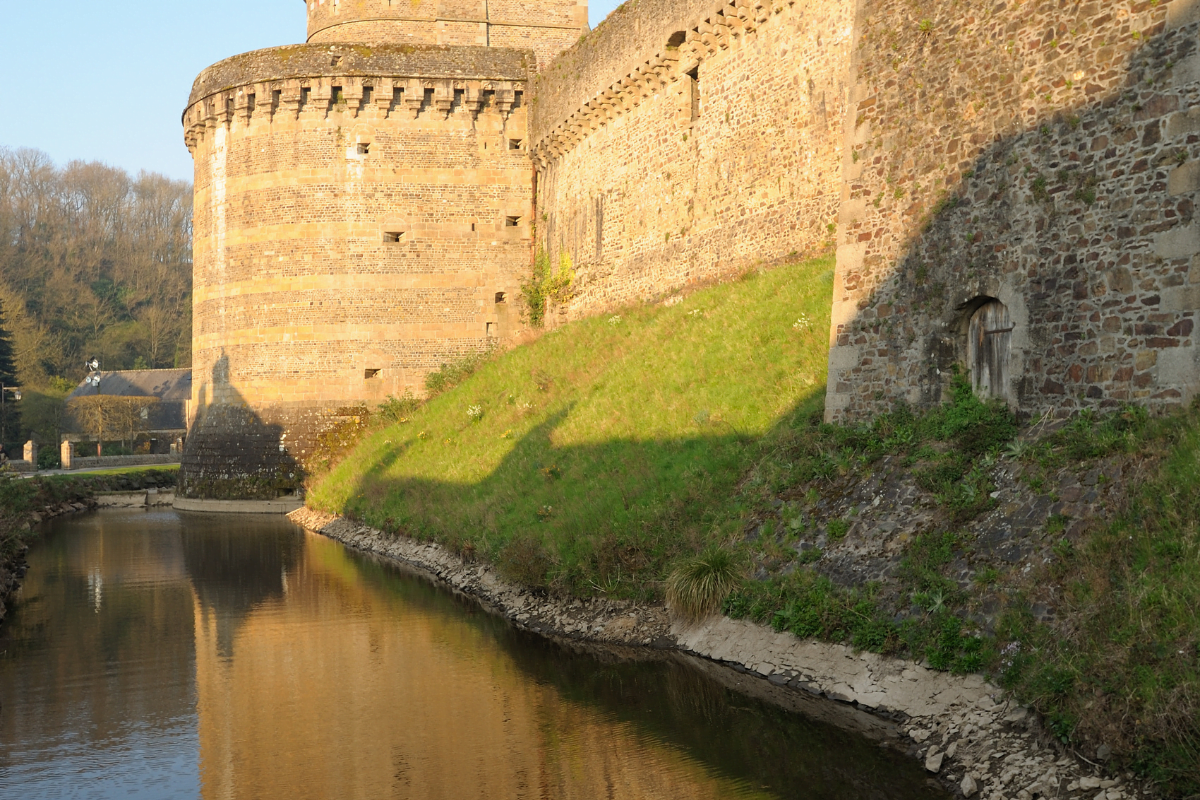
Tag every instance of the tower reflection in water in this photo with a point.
(161, 655)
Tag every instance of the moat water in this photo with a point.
(158, 655)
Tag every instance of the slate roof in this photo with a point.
(168, 385)
(173, 388)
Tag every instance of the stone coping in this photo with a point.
(280, 507)
(355, 60)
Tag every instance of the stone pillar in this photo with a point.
(66, 453)
(31, 452)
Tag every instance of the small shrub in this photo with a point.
(699, 585)
(525, 560)
(546, 285)
(398, 409)
(452, 373)
(838, 528)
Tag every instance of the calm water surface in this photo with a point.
(158, 655)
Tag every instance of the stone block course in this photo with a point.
(1030, 153)
(663, 162)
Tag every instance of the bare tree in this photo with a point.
(112, 418)
(98, 262)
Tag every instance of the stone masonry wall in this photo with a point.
(545, 26)
(678, 144)
(353, 232)
(1043, 153)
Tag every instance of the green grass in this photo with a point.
(590, 460)
(605, 457)
(116, 471)
(1123, 665)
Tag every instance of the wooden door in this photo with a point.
(988, 340)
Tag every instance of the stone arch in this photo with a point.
(989, 345)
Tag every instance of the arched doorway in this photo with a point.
(988, 338)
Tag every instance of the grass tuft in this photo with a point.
(699, 585)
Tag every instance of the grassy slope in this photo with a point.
(613, 448)
(601, 446)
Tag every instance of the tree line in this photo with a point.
(94, 262)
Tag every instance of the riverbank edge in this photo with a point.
(977, 740)
(14, 566)
(77, 493)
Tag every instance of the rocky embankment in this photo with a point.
(978, 741)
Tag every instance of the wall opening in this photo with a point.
(515, 144)
(338, 96)
(491, 330)
(251, 102)
(427, 100)
(368, 95)
(459, 96)
(305, 94)
(276, 98)
(694, 74)
(393, 237)
(512, 222)
(500, 298)
(677, 39)
(989, 337)
(518, 99)
(369, 374)
(364, 148)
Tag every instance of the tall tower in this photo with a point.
(363, 211)
(546, 27)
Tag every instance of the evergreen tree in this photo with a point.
(10, 416)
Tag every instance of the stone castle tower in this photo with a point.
(362, 215)
(1011, 189)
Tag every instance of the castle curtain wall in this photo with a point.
(353, 226)
(1042, 154)
(675, 144)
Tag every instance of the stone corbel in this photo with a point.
(224, 109)
(241, 106)
(473, 99)
(414, 96)
(320, 98)
(504, 100)
(352, 91)
(289, 101)
(383, 96)
(443, 99)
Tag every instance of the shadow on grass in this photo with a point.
(595, 518)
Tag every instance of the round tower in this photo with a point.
(545, 26)
(362, 216)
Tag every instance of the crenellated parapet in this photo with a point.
(378, 83)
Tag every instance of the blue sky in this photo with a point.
(108, 81)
